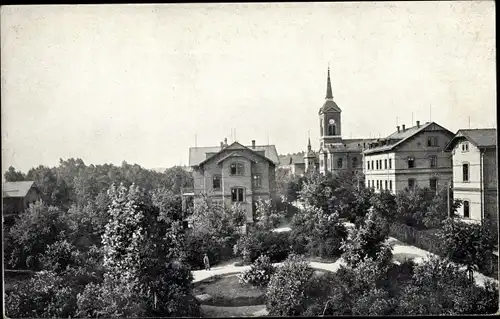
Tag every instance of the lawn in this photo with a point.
(244, 311)
(227, 291)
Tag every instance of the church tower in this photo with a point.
(310, 158)
(329, 119)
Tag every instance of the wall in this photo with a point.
(381, 174)
(473, 157)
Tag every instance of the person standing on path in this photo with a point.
(206, 262)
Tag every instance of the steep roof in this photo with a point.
(295, 158)
(398, 138)
(16, 189)
(481, 138)
(329, 105)
(199, 154)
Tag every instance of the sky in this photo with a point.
(143, 83)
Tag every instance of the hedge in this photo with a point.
(428, 240)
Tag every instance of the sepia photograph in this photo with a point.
(269, 159)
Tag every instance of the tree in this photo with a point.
(439, 287)
(34, 229)
(285, 293)
(366, 241)
(384, 204)
(266, 217)
(169, 204)
(176, 178)
(11, 175)
(469, 244)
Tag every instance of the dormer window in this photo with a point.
(237, 169)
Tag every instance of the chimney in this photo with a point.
(418, 123)
(225, 141)
(398, 128)
(253, 144)
(221, 145)
(403, 128)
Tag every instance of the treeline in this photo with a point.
(74, 182)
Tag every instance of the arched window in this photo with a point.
(331, 129)
(339, 163)
(355, 162)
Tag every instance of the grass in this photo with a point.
(227, 291)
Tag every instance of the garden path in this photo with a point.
(401, 251)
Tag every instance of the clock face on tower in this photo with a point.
(332, 121)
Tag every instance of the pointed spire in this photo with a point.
(329, 94)
(309, 144)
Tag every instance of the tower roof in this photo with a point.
(329, 105)
(329, 94)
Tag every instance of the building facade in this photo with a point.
(335, 154)
(475, 173)
(409, 157)
(235, 174)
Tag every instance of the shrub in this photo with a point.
(285, 293)
(275, 245)
(45, 295)
(260, 272)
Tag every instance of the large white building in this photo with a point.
(475, 173)
(409, 157)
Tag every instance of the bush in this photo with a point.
(285, 293)
(217, 249)
(260, 272)
(45, 295)
(275, 245)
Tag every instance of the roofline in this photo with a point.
(449, 147)
(244, 147)
(401, 141)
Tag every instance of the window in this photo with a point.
(237, 169)
(237, 194)
(433, 161)
(411, 183)
(376, 162)
(411, 162)
(331, 129)
(339, 163)
(385, 164)
(433, 183)
(465, 147)
(216, 181)
(466, 209)
(390, 185)
(385, 184)
(257, 181)
(377, 183)
(390, 162)
(373, 167)
(368, 163)
(355, 162)
(432, 141)
(465, 172)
